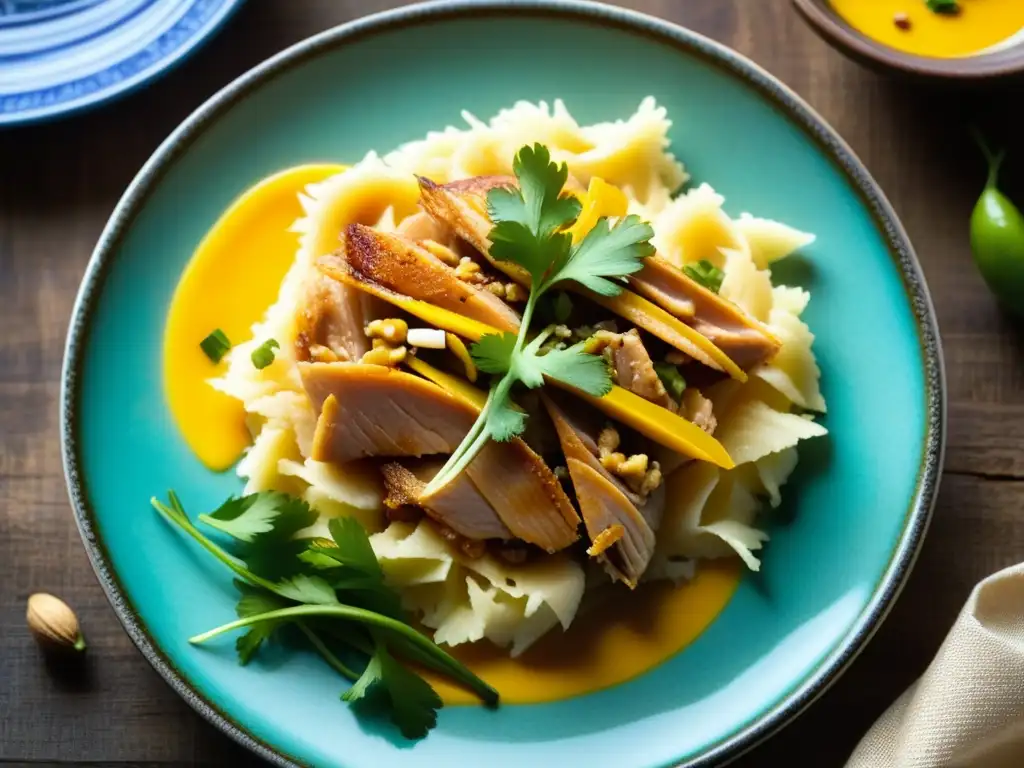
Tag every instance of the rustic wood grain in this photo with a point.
(58, 183)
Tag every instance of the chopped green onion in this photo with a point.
(263, 355)
(672, 379)
(943, 6)
(705, 273)
(216, 345)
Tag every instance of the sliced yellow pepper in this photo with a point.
(668, 328)
(602, 199)
(444, 319)
(654, 422)
(659, 424)
(453, 385)
(458, 348)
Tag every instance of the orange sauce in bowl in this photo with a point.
(976, 27)
(230, 282)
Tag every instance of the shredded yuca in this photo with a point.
(710, 513)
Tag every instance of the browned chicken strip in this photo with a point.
(604, 505)
(605, 502)
(330, 322)
(462, 205)
(459, 505)
(746, 341)
(371, 410)
(401, 265)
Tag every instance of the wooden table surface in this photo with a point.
(59, 182)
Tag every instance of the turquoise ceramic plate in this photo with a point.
(859, 505)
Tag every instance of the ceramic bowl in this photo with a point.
(857, 508)
(832, 28)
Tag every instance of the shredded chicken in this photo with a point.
(698, 409)
(633, 367)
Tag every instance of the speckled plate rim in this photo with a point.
(804, 692)
(145, 73)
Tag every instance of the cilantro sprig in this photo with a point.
(530, 223)
(333, 592)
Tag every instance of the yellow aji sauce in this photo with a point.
(980, 24)
(232, 279)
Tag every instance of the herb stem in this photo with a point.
(993, 159)
(326, 652)
(177, 516)
(445, 662)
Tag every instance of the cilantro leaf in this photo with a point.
(312, 590)
(493, 352)
(272, 559)
(572, 365)
(607, 252)
(512, 241)
(352, 546)
(267, 515)
(505, 421)
(414, 703)
(537, 204)
(705, 273)
(254, 601)
(943, 6)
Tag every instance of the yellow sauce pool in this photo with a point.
(979, 25)
(232, 279)
(623, 638)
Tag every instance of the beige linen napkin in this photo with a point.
(968, 708)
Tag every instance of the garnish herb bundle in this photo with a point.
(529, 230)
(333, 593)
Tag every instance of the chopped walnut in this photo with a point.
(608, 440)
(516, 293)
(636, 471)
(385, 355)
(443, 252)
(318, 353)
(391, 330)
(468, 271)
(634, 468)
(652, 479)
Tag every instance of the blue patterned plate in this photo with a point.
(59, 56)
(858, 506)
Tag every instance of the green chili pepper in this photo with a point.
(997, 237)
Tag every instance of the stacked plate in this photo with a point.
(57, 56)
